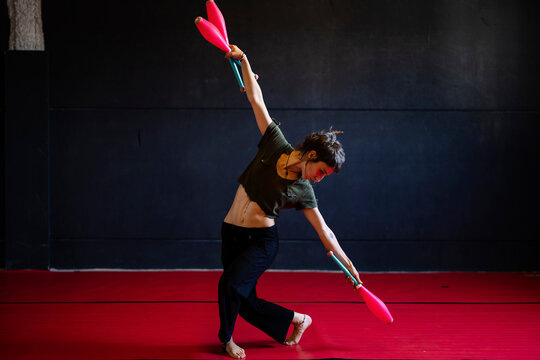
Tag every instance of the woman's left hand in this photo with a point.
(354, 273)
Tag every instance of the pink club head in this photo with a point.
(216, 17)
(377, 307)
(211, 34)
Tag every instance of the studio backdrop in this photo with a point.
(126, 136)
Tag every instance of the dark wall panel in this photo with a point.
(154, 173)
(165, 175)
(443, 54)
(439, 101)
(26, 160)
(393, 255)
(409, 175)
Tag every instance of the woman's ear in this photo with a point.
(312, 155)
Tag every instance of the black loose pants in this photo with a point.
(246, 253)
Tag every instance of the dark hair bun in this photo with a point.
(327, 147)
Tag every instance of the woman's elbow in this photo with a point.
(255, 99)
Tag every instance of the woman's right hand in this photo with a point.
(235, 52)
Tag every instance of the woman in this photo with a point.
(277, 178)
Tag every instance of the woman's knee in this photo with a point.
(235, 286)
(227, 284)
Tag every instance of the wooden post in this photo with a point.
(26, 31)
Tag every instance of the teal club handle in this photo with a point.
(235, 63)
(343, 268)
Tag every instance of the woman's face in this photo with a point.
(316, 170)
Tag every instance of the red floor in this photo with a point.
(173, 315)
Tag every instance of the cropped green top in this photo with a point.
(264, 186)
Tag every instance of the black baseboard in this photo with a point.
(368, 256)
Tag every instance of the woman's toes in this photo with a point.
(235, 351)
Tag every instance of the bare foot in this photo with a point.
(234, 351)
(301, 322)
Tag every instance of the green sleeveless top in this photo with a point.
(264, 186)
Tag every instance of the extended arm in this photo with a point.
(329, 240)
(252, 88)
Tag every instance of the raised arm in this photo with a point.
(252, 88)
(329, 240)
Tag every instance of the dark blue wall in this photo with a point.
(4, 36)
(26, 199)
(439, 101)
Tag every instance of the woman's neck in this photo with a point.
(295, 162)
(289, 166)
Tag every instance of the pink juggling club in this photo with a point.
(211, 33)
(215, 32)
(374, 304)
(216, 17)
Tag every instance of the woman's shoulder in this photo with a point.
(273, 138)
